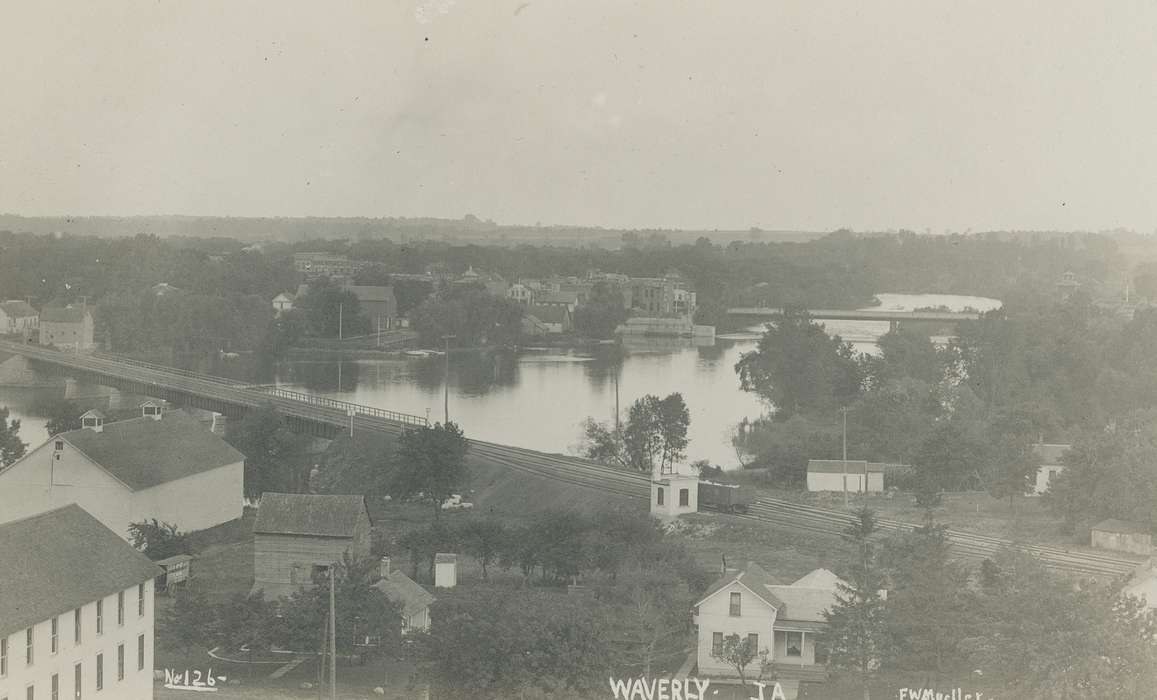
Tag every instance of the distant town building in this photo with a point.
(1049, 457)
(18, 317)
(377, 304)
(570, 300)
(283, 302)
(326, 264)
(68, 328)
(76, 610)
(784, 620)
(547, 320)
(297, 536)
(413, 600)
(1122, 536)
(163, 465)
(1068, 285)
(521, 294)
(837, 475)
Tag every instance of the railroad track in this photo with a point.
(968, 545)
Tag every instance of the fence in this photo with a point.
(344, 406)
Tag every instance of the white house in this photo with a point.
(17, 316)
(76, 610)
(68, 328)
(1050, 457)
(413, 600)
(163, 465)
(282, 302)
(783, 620)
(838, 475)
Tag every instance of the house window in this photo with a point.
(684, 497)
(54, 686)
(30, 692)
(100, 617)
(55, 644)
(716, 643)
(3, 656)
(28, 646)
(734, 612)
(121, 608)
(140, 652)
(100, 671)
(76, 626)
(659, 497)
(59, 445)
(120, 662)
(140, 600)
(793, 641)
(76, 679)
(753, 643)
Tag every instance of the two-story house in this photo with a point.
(76, 610)
(164, 465)
(783, 620)
(297, 535)
(17, 316)
(68, 328)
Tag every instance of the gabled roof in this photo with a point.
(443, 558)
(558, 298)
(65, 314)
(310, 514)
(142, 452)
(17, 309)
(549, 314)
(1122, 526)
(804, 604)
(402, 590)
(93, 413)
(753, 578)
(836, 466)
(1049, 455)
(820, 578)
(60, 560)
(283, 296)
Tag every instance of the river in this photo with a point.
(540, 398)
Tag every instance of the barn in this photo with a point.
(298, 535)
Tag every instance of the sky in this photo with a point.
(699, 114)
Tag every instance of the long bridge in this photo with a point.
(894, 318)
(316, 415)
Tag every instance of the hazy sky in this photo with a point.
(707, 114)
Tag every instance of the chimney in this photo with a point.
(385, 567)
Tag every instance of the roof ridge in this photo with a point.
(41, 514)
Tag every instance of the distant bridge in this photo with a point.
(894, 318)
(316, 415)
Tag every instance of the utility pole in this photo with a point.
(617, 370)
(446, 381)
(332, 637)
(844, 410)
(340, 309)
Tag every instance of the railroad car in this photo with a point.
(727, 498)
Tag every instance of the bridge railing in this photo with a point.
(168, 370)
(344, 406)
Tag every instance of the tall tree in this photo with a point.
(11, 446)
(431, 461)
(798, 367)
(653, 437)
(483, 539)
(858, 637)
(274, 455)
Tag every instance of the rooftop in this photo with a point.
(371, 293)
(402, 590)
(1122, 526)
(17, 309)
(548, 314)
(60, 560)
(1049, 454)
(803, 601)
(142, 452)
(836, 466)
(64, 314)
(308, 514)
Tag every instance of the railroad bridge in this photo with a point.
(894, 318)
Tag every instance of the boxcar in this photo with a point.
(728, 498)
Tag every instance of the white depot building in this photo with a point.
(76, 610)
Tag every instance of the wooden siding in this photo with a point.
(288, 560)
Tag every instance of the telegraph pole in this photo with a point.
(340, 309)
(332, 637)
(446, 381)
(844, 410)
